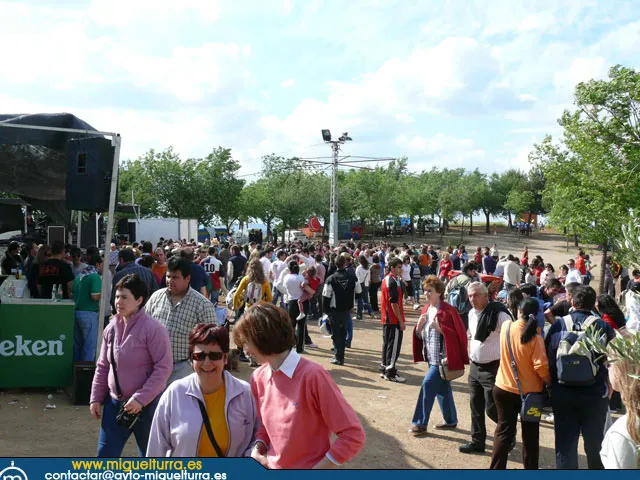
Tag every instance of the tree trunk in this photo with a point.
(509, 218)
(411, 227)
(529, 224)
(603, 267)
(575, 240)
(462, 230)
(471, 224)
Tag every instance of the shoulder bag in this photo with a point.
(532, 403)
(207, 426)
(123, 418)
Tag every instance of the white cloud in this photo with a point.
(288, 83)
(265, 94)
(121, 13)
(287, 5)
(439, 150)
(580, 70)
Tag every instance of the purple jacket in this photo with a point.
(143, 357)
(177, 423)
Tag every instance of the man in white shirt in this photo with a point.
(265, 260)
(485, 321)
(574, 275)
(494, 251)
(276, 270)
(511, 273)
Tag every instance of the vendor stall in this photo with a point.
(36, 339)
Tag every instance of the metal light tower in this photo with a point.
(333, 209)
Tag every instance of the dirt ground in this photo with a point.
(385, 408)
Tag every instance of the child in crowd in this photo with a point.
(309, 287)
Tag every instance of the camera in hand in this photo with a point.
(126, 419)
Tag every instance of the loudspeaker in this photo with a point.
(55, 233)
(82, 379)
(89, 169)
(123, 226)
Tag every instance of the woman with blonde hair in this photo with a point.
(621, 444)
(254, 286)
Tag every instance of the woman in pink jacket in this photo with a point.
(141, 349)
(298, 403)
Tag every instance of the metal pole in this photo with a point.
(104, 301)
(333, 210)
(79, 235)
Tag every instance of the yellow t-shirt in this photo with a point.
(214, 403)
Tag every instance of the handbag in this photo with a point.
(443, 366)
(532, 403)
(207, 426)
(123, 418)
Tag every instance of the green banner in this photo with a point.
(36, 345)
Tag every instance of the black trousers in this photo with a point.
(508, 405)
(339, 321)
(298, 325)
(391, 346)
(482, 379)
(373, 296)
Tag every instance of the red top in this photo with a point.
(537, 272)
(610, 321)
(477, 258)
(580, 265)
(455, 337)
(445, 268)
(391, 292)
(314, 282)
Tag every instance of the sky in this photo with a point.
(470, 84)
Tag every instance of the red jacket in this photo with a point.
(455, 337)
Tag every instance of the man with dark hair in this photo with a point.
(469, 274)
(147, 250)
(55, 271)
(235, 266)
(488, 263)
(579, 409)
(11, 259)
(562, 308)
(199, 278)
(127, 265)
(338, 295)
(213, 267)
(77, 265)
(393, 321)
(87, 286)
(179, 308)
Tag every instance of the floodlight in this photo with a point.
(326, 135)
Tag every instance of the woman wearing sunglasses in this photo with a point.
(299, 404)
(210, 413)
(132, 371)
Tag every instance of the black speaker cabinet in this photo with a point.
(56, 233)
(82, 378)
(89, 169)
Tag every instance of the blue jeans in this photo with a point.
(363, 301)
(574, 415)
(113, 437)
(434, 386)
(214, 295)
(416, 288)
(349, 331)
(277, 294)
(85, 336)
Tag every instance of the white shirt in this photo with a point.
(512, 273)
(276, 269)
(363, 274)
(493, 251)
(266, 266)
(530, 278)
(619, 451)
(546, 275)
(574, 276)
(633, 311)
(293, 284)
(406, 272)
(489, 350)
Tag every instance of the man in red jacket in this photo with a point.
(393, 322)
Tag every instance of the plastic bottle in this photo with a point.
(19, 274)
(54, 292)
(59, 295)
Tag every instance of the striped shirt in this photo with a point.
(489, 350)
(180, 318)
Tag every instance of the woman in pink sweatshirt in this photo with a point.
(298, 402)
(141, 349)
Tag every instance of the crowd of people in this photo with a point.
(517, 322)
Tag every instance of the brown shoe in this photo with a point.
(446, 426)
(417, 430)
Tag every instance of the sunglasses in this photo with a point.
(213, 356)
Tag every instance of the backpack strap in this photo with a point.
(568, 323)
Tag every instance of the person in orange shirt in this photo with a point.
(581, 263)
(524, 260)
(533, 371)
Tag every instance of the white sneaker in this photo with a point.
(301, 316)
(416, 306)
(397, 378)
(548, 418)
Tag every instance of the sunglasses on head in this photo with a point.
(213, 356)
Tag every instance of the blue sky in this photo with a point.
(468, 84)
